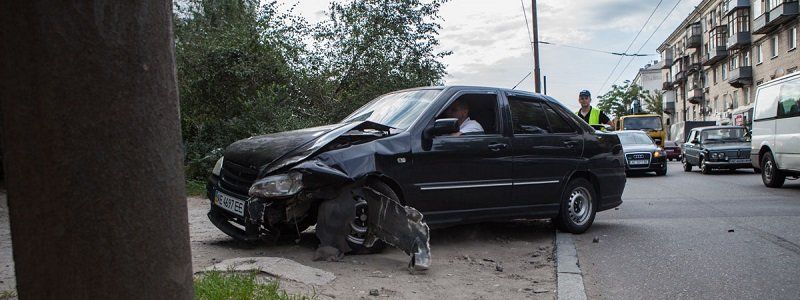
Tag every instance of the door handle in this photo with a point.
(570, 143)
(497, 146)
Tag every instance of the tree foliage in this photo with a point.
(618, 100)
(249, 67)
(654, 103)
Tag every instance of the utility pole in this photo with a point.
(92, 149)
(536, 75)
(545, 84)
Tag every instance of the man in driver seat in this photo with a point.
(460, 111)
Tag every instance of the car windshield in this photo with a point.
(723, 135)
(637, 123)
(397, 110)
(634, 138)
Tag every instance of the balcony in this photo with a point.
(693, 68)
(667, 86)
(696, 96)
(666, 61)
(716, 55)
(733, 5)
(782, 13)
(680, 77)
(760, 24)
(740, 77)
(694, 41)
(739, 40)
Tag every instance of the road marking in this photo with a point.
(569, 275)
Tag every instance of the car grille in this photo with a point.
(638, 156)
(237, 178)
(738, 154)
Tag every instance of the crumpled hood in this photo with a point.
(727, 146)
(258, 151)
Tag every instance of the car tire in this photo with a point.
(578, 207)
(663, 171)
(358, 226)
(687, 167)
(770, 175)
(704, 168)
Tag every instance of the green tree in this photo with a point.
(370, 47)
(654, 103)
(235, 65)
(618, 100)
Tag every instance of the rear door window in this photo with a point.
(527, 117)
(557, 123)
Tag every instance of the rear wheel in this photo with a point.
(359, 227)
(770, 175)
(578, 207)
(687, 167)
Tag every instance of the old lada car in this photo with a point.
(717, 147)
(433, 156)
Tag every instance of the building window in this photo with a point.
(759, 54)
(735, 100)
(792, 38)
(746, 95)
(774, 42)
(714, 70)
(746, 58)
(724, 72)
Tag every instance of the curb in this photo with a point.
(569, 277)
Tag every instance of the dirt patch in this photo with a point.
(484, 261)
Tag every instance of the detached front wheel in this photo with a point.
(359, 226)
(578, 207)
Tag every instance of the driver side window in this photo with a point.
(477, 113)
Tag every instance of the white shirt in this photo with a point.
(469, 126)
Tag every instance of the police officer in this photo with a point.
(588, 113)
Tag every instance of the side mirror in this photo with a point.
(442, 126)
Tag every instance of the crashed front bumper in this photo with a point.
(261, 218)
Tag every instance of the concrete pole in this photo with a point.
(92, 150)
(536, 76)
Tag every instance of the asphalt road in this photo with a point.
(694, 236)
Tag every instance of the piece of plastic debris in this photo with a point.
(596, 239)
(374, 292)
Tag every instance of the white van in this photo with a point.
(776, 130)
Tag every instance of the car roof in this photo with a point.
(717, 127)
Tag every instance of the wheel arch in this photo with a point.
(591, 177)
(394, 185)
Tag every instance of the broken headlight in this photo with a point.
(277, 185)
(218, 166)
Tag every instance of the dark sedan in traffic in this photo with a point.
(673, 150)
(641, 153)
(434, 155)
(717, 147)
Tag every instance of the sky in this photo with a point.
(491, 46)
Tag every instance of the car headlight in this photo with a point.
(277, 185)
(658, 154)
(218, 166)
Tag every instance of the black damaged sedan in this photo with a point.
(433, 156)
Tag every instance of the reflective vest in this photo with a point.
(594, 115)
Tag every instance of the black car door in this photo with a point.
(459, 175)
(546, 149)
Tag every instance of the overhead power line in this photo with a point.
(595, 50)
(630, 45)
(648, 39)
(523, 79)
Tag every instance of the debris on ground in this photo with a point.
(730, 230)
(498, 267)
(328, 253)
(374, 292)
(275, 266)
(596, 239)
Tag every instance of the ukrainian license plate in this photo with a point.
(638, 162)
(230, 203)
(739, 160)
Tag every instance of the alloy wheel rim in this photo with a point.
(579, 205)
(358, 225)
(768, 169)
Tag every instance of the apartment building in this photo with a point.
(721, 52)
(649, 78)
